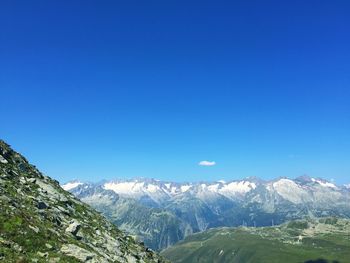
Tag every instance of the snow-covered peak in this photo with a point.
(323, 183)
(126, 188)
(147, 189)
(290, 190)
(160, 191)
(240, 187)
(71, 185)
(284, 182)
(232, 190)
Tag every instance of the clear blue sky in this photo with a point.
(102, 89)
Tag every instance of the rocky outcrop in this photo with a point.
(77, 252)
(40, 222)
(73, 228)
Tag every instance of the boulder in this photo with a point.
(43, 254)
(73, 228)
(77, 252)
(41, 205)
(32, 180)
(3, 160)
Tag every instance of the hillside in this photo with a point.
(41, 222)
(297, 241)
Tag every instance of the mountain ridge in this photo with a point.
(199, 206)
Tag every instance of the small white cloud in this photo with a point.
(206, 163)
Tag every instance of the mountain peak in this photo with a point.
(304, 179)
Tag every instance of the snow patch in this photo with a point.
(126, 188)
(173, 190)
(323, 183)
(240, 187)
(185, 188)
(71, 185)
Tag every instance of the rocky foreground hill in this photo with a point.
(41, 222)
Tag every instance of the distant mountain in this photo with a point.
(195, 207)
(157, 227)
(309, 240)
(41, 222)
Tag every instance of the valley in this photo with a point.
(308, 240)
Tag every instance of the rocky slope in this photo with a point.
(312, 240)
(194, 207)
(41, 222)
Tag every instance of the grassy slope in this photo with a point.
(261, 245)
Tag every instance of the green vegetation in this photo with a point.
(296, 241)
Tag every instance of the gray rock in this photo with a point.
(4, 176)
(131, 259)
(3, 160)
(32, 180)
(13, 173)
(43, 254)
(34, 228)
(17, 247)
(4, 198)
(41, 205)
(73, 228)
(77, 252)
(54, 260)
(48, 246)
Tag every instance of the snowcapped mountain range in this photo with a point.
(299, 190)
(194, 207)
